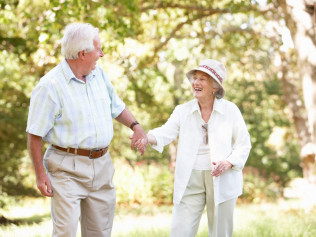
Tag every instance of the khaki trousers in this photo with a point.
(187, 214)
(82, 189)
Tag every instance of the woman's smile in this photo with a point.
(201, 85)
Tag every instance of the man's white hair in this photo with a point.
(78, 37)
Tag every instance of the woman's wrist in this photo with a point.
(151, 139)
(229, 164)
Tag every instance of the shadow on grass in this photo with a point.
(36, 219)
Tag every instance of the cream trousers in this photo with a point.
(187, 214)
(82, 189)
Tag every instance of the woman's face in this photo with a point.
(202, 85)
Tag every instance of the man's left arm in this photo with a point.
(128, 120)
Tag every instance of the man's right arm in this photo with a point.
(35, 149)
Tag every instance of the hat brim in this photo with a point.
(191, 73)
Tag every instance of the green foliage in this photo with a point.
(259, 188)
(143, 184)
(29, 42)
(149, 47)
(274, 146)
(13, 110)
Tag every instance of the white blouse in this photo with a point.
(228, 140)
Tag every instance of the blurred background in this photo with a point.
(269, 50)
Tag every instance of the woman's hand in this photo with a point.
(141, 144)
(139, 135)
(220, 167)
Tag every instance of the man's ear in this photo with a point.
(81, 54)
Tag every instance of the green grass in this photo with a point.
(281, 219)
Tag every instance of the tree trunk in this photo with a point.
(300, 18)
(298, 114)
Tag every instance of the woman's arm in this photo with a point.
(161, 136)
(165, 134)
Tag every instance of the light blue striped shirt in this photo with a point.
(68, 112)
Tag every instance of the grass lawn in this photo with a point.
(280, 219)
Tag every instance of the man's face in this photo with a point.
(93, 56)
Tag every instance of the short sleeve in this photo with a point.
(42, 112)
(117, 105)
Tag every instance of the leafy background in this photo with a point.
(149, 46)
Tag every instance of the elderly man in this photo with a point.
(72, 108)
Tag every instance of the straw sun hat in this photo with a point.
(213, 68)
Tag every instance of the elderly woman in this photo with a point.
(213, 148)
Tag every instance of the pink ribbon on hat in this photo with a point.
(214, 72)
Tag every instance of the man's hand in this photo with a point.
(139, 139)
(43, 184)
(34, 144)
(128, 120)
(220, 167)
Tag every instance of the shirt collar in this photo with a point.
(195, 106)
(218, 106)
(68, 74)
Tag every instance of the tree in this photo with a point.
(148, 50)
(300, 17)
(30, 33)
(243, 36)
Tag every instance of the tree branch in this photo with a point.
(161, 5)
(177, 28)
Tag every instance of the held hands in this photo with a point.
(220, 167)
(139, 139)
(141, 144)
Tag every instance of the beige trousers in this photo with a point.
(187, 214)
(82, 189)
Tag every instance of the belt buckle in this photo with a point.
(92, 150)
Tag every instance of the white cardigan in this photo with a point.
(228, 140)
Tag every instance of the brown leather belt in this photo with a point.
(92, 154)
